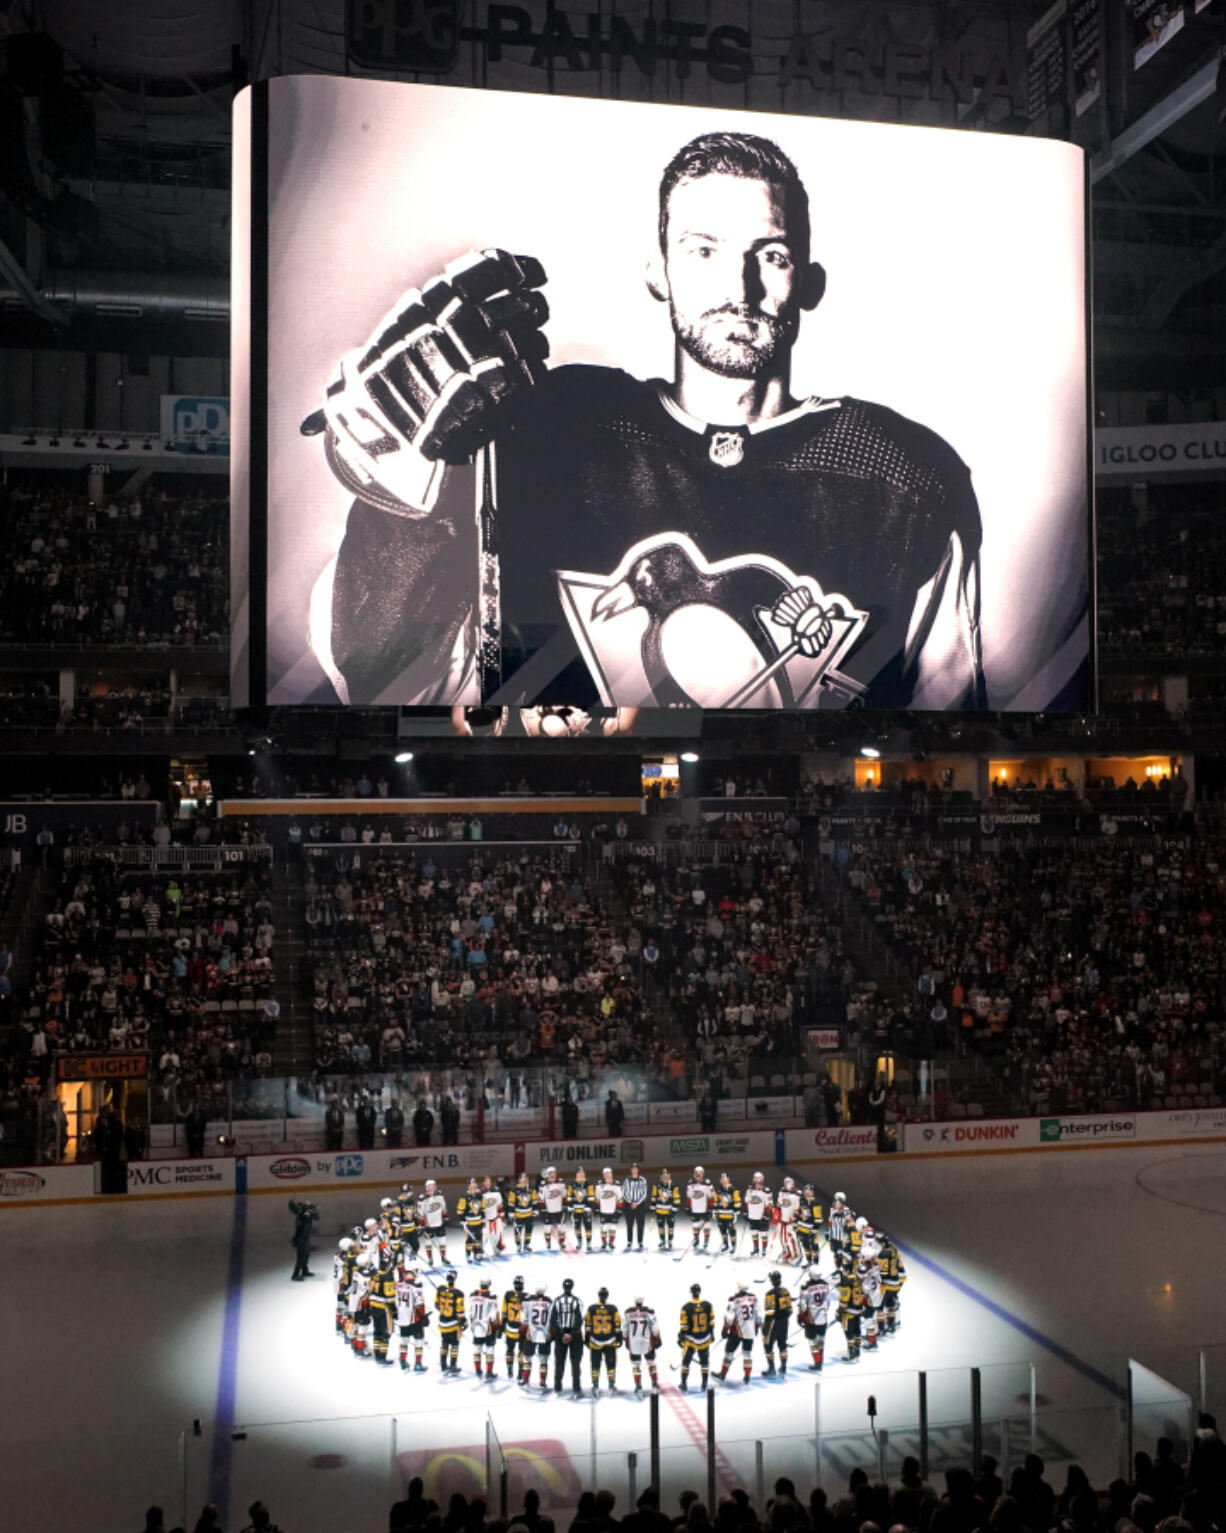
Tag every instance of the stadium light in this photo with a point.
(870, 751)
(689, 757)
(403, 758)
(29, 441)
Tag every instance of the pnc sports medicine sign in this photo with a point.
(968, 61)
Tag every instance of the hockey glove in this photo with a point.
(422, 391)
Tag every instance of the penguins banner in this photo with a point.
(670, 408)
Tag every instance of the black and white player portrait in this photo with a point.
(611, 417)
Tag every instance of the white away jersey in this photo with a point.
(642, 1330)
(482, 1315)
(432, 1211)
(789, 1207)
(552, 1196)
(742, 1316)
(757, 1202)
(491, 1206)
(813, 1302)
(410, 1302)
(871, 1284)
(358, 1290)
(536, 1316)
(608, 1197)
(699, 1196)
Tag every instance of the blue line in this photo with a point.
(1070, 1359)
(227, 1374)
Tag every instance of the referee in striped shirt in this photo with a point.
(634, 1197)
(566, 1333)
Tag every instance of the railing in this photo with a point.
(166, 858)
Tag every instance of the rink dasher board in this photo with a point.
(383, 1170)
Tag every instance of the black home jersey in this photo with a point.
(598, 472)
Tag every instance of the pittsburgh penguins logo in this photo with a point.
(669, 629)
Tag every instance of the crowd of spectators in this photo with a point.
(502, 962)
(1181, 1488)
(1161, 579)
(180, 966)
(148, 570)
(745, 953)
(1092, 983)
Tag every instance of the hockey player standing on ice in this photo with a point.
(809, 1223)
(788, 1208)
(634, 1199)
(776, 1319)
(580, 1200)
(700, 1200)
(851, 1306)
(608, 1196)
(538, 1310)
(483, 1323)
(566, 1333)
(602, 1331)
(432, 1214)
(469, 1212)
(411, 1318)
(491, 1213)
(727, 1209)
(551, 1195)
(382, 1300)
(742, 1322)
(893, 1276)
(521, 1204)
(342, 1269)
(449, 1302)
(514, 1328)
(696, 1336)
(665, 1201)
(813, 1310)
(874, 1296)
(359, 1312)
(642, 1332)
(663, 480)
(410, 1227)
(758, 1208)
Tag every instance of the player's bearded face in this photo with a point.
(733, 280)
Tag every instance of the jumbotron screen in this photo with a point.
(543, 401)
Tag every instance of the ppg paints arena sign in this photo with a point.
(969, 61)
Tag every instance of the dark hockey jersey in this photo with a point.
(596, 472)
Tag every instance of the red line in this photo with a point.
(688, 1418)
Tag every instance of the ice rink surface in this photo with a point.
(124, 1325)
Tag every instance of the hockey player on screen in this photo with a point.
(642, 1333)
(700, 1200)
(602, 1331)
(742, 1322)
(726, 543)
(608, 1196)
(696, 1336)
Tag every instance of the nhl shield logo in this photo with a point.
(726, 448)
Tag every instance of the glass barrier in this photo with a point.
(1211, 1379)
(1095, 1437)
(1157, 1409)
